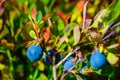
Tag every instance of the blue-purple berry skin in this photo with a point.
(98, 60)
(50, 53)
(34, 52)
(68, 64)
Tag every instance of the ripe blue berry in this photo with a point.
(51, 53)
(68, 64)
(34, 52)
(97, 60)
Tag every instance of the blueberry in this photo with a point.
(97, 60)
(50, 53)
(68, 64)
(34, 52)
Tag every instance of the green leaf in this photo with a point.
(76, 34)
(78, 66)
(105, 71)
(45, 1)
(112, 76)
(99, 17)
(112, 59)
(42, 77)
(41, 24)
(78, 77)
(69, 28)
(88, 60)
(60, 25)
(32, 34)
(54, 30)
(38, 16)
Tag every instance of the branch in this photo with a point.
(69, 54)
(54, 67)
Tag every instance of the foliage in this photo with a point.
(62, 25)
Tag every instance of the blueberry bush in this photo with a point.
(59, 39)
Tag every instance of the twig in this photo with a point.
(64, 75)
(54, 67)
(54, 72)
(69, 54)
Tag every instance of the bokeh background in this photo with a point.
(14, 35)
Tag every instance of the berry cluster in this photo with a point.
(35, 52)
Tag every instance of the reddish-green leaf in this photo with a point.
(76, 34)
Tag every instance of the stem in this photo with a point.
(69, 54)
(54, 72)
(44, 48)
(11, 62)
(51, 5)
(54, 67)
(64, 75)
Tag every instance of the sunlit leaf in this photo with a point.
(2, 66)
(112, 59)
(113, 46)
(74, 16)
(76, 34)
(32, 34)
(60, 25)
(41, 66)
(101, 48)
(38, 16)
(99, 17)
(42, 77)
(62, 39)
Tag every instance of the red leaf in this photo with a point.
(34, 12)
(46, 33)
(80, 5)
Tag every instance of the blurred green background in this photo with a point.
(14, 34)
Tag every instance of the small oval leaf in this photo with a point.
(38, 16)
(32, 34)
(112, 59)
(76, 34)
